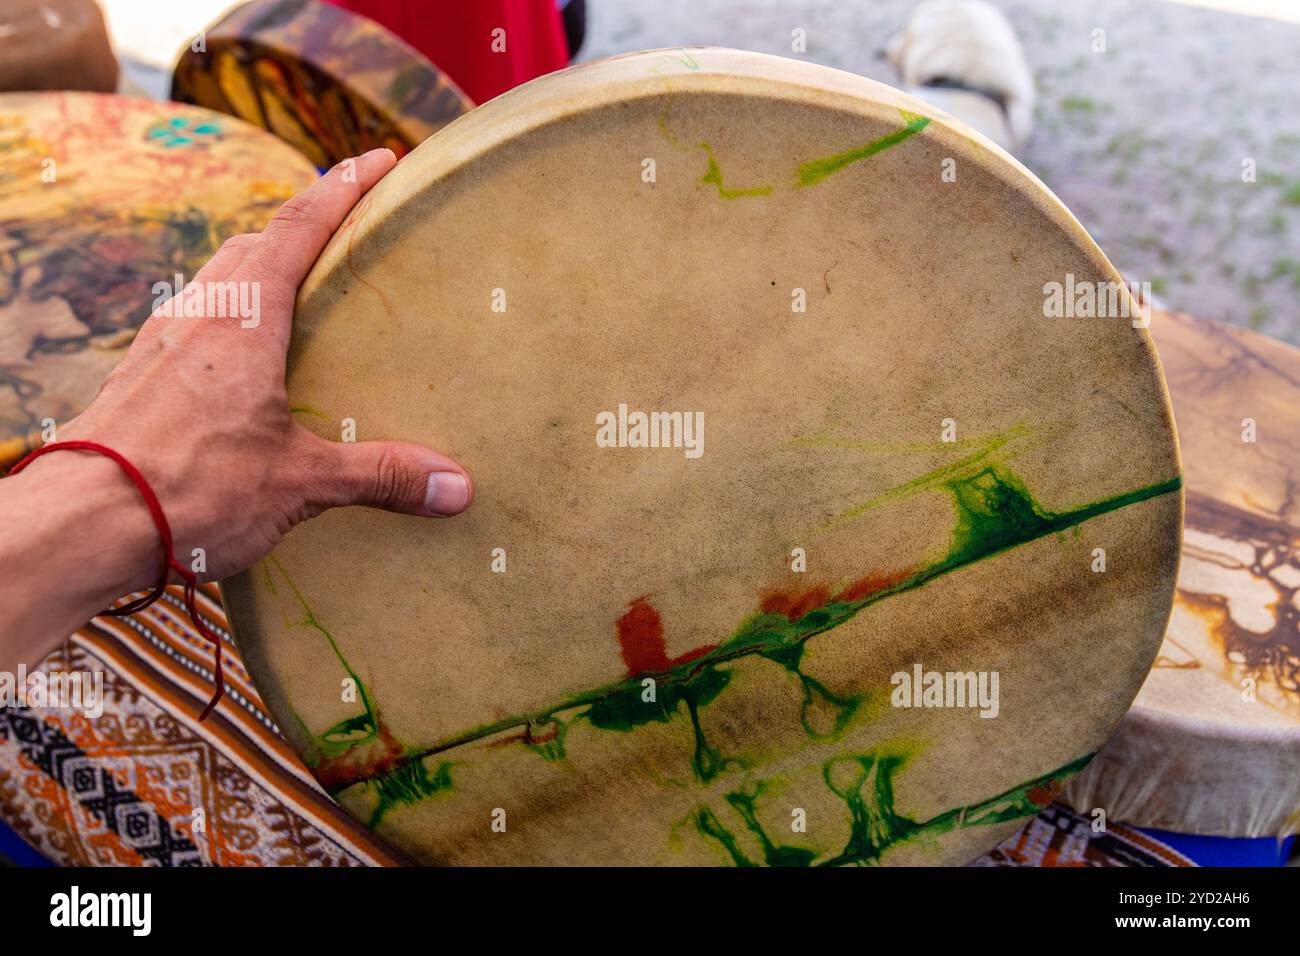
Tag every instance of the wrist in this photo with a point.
(81, 537)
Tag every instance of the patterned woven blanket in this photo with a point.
(147, 784)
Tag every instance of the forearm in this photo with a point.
(76, 537)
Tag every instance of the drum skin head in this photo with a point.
(695, 658)
(102, 197)
(331, 83)
(1212, 743)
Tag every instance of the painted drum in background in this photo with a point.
(331, 83)
(101, 198)
(1212, 744)
(696, 647)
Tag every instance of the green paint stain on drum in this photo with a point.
(358, 748)
(407, 785)
(865, 782)
(713, 177)
(818, 700)
(308, 410)
(868, 793)
(627, 709)
(815, 170)
(707, 823)
(994, 512)
(745, 804)
(353, 730)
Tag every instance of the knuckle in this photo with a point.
(296, 213)
(392, 483)
(241, 241)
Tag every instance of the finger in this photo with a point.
(228, 257)
(295, 237)
(395, 476)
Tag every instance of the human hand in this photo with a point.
(199, 407)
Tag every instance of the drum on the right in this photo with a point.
(1211, 747)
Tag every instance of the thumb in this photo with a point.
(395, 476)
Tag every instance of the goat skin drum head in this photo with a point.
(1211, 745)
(802, 533)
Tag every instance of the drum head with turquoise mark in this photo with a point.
(104, 201)
(819, 518)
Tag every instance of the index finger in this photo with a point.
(294, 239)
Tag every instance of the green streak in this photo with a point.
(994, 512)
(685, 59)
(985, 448)
(745, 803)
(308, 410)
(869, 797)
(714, 177)
(625, 710)
(865, 782)
(875, 827)
(351, 731)
(815, 170)
(407, 785)
(710, 826)
(816, 694)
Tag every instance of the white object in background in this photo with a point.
(963, 56)
(152, 34)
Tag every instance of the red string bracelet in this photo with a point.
(169, 562)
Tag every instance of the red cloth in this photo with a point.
(457, 35)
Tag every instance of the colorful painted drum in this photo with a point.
(103, 198)
(1212, 744)
(330, 82)
(789, 498)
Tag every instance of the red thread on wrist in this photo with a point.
(169, 562)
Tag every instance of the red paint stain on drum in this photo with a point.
(549, 733)
(360, 763)
(641, 639)
(872, 583)
(796, 605)
(1045, 794)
